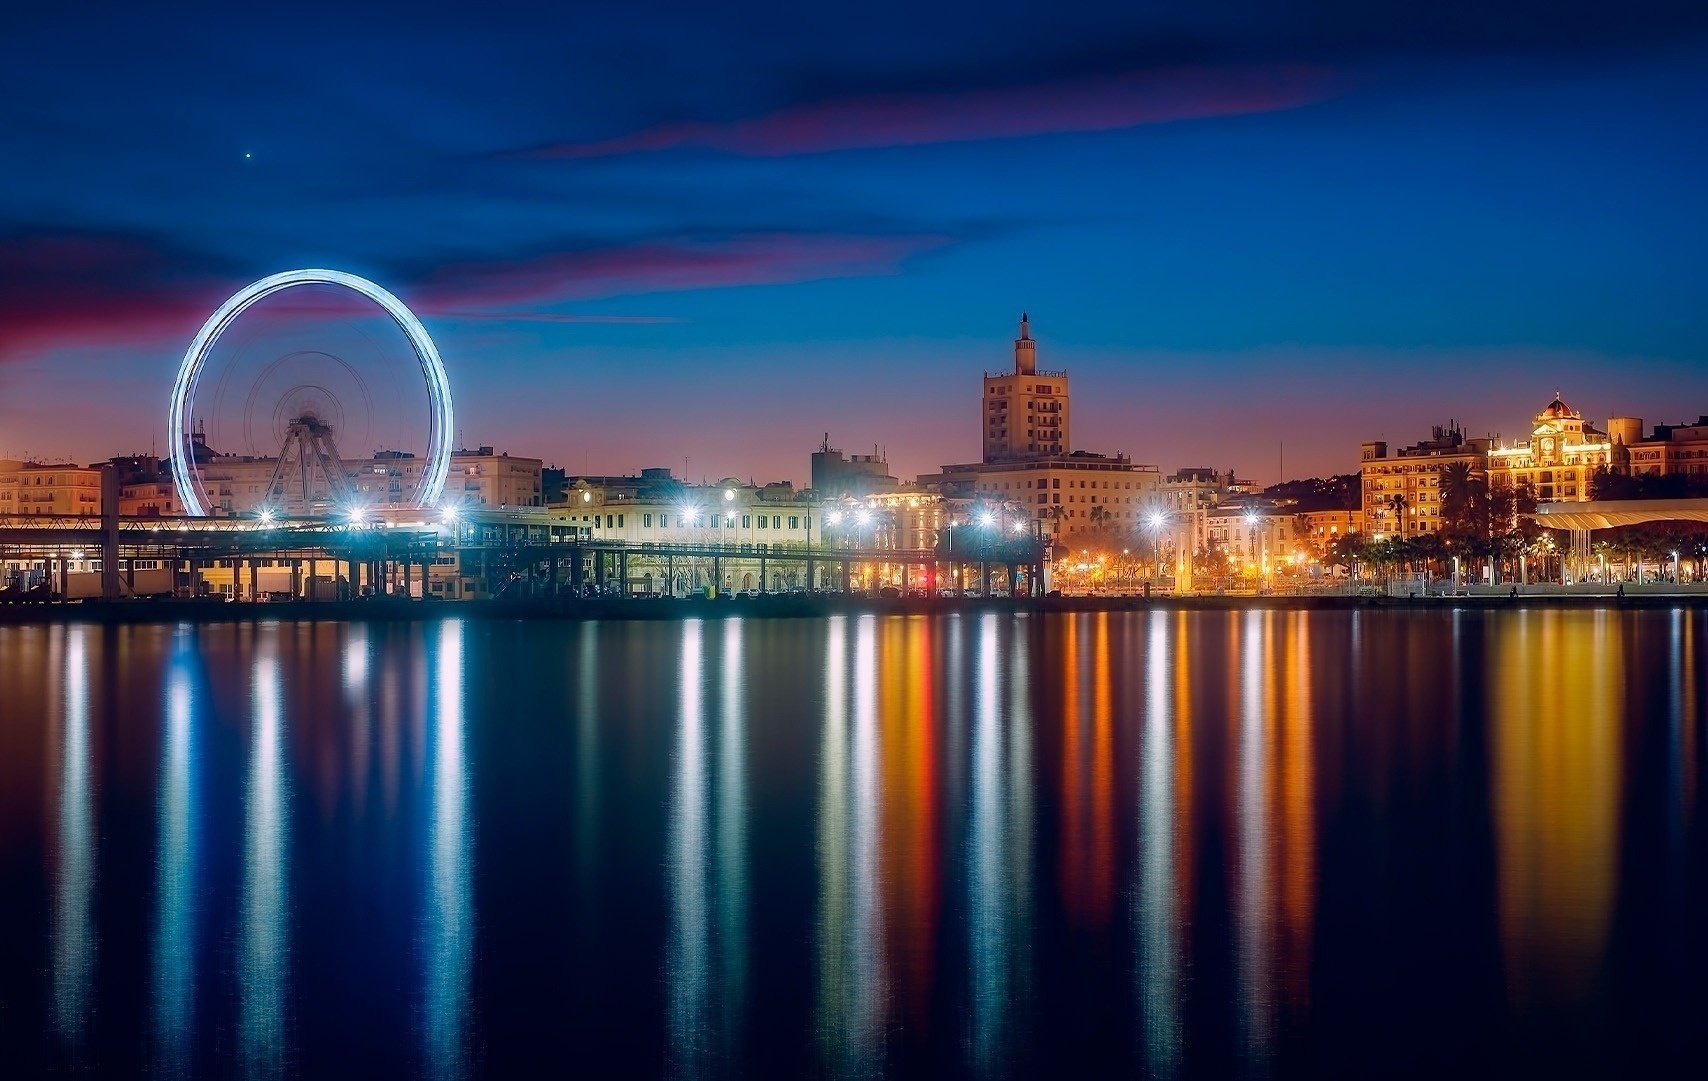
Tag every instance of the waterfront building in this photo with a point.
(1257, 536)
(37, 489)
(1401, 491)
(1323, 527)
(1669, 450)
(1186, 496)
(479, 477)
(836, 475)
(1025, 410)
(1559, 459)
(1029, 469)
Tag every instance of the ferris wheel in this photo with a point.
(282, 396)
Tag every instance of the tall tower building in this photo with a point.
(1026, 410)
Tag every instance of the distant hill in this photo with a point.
(1339, 492)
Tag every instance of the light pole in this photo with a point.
(1156, 521)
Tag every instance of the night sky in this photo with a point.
(648, 232)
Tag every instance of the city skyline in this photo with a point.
(1234, 234)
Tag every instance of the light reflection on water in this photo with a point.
(175, 906)
(263, 963)
(74, 932)
(992, 845)
(450, 923)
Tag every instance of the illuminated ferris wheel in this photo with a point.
(285, 387)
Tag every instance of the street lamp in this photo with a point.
(267, 516)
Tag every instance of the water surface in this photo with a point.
(1265, 843)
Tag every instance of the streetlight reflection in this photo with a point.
(449, 926)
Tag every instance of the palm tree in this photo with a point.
(1397, 507)
(1464, 501)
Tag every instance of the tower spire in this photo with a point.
(1025, 349)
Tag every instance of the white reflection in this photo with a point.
(263, 958)
(74, 887)
(1251, 924)
(357, 703)
(732, 839)
(1158, 920)
(852, 991)
(450, 844)
(175, 866)
(993, 894)
(687, 948)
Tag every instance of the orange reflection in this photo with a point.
(1297, 855)
(1555, 736)
(909, 857)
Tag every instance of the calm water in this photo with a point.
(1182, 844)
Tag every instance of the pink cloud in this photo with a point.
(667, 266)
(889, 120)
(92, 290)
(73, 289)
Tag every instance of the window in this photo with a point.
(794, 521)
(646, 521)
(761, 521)
(747, 520)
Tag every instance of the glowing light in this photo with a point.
(267, 516)
(1019, 527)
(1158, 519)
(1250, 517)
(356, 515)
(729, 495)
(179, 418)
(450, 515)
(77, 553)
(863, 517)
(987, 519)
(587, 497)
(834, 517)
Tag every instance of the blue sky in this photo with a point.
(661, 232)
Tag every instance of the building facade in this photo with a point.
(1669, 450)
(1026, 410)
(479, 477)
(836, 475)
(1559, 459)
(1030, 473)
(1401, 491)
(35, 489)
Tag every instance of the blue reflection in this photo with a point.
(175, 863)
(449, 927)
(73, 932)
(263, 956)
(687, 949)
(852, 981)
